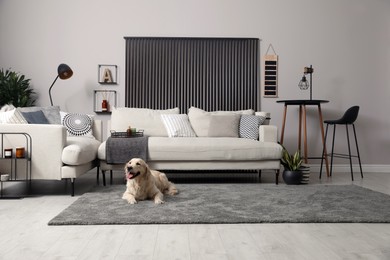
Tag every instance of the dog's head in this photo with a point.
(136, 167)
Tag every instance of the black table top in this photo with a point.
(302, 101)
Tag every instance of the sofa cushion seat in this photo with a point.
(207, 149)
(212, 149)
(80, 150)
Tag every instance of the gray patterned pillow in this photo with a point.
(249, 126)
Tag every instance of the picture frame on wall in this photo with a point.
(107, 74)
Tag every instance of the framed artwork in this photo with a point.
(107, 74)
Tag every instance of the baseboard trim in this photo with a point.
(340, 168)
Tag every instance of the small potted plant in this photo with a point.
(292, 164)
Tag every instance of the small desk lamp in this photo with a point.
(303, 84)
(64, 72)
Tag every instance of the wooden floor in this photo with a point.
(24, 233)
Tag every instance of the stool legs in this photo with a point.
(324, 150)
(332, 153)
(349, 156)
(357, 149)
(349, 152)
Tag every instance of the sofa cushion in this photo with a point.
(80, 150)
(211, 149)
(249, 126)
(12, 117)
(141, 118)
(52, 113)
(224, 125)
(36, 117)
(77, 124)
(177, 125)
(200, 119)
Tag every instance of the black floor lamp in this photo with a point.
(64, 72)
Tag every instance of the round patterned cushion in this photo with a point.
(78, 124)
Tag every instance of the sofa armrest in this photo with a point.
(97, 129)
(48, 142)
(268, 133)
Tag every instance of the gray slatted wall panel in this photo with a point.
(209, 73)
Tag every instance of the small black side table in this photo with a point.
(302, 103)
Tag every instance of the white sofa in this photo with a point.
(55, 155)
(200, 151)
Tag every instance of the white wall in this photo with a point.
(346, 41)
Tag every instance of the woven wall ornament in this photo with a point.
(270, 77)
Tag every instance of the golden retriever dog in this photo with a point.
(144, 183)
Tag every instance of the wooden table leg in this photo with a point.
(284, 124)
(304, 133)
(300, 128)
(323, 140)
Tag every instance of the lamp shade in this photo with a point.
(64, 71)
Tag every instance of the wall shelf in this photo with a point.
(99, 96)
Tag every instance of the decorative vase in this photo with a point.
(292, 177)
(104, 105)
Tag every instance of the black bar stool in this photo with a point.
(348, 118)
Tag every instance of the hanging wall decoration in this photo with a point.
(270, 79)
(107, 74)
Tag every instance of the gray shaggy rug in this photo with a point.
(232, 203)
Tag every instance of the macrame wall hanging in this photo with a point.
(270, 78)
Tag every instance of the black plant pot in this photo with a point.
(292, 177)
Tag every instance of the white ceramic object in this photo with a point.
(4, 177)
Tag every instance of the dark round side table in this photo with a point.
(302, 103)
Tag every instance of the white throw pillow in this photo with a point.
(77, 124)
(12, 117)
(146, 119)
(178, 125)
(200, 119)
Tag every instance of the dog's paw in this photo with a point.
(158, 201)
(132, 201)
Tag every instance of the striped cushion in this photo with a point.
(177, 125)
(12, 117)
(249, 126)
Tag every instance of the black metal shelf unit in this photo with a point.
(14, 161)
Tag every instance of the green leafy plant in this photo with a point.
(15, 89)
(291, 162)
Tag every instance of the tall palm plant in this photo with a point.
(15, 89)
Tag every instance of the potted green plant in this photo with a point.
(292, 164)
(15, 89)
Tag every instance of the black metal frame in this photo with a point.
(13, 160)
